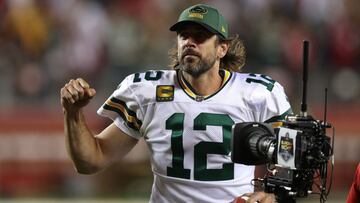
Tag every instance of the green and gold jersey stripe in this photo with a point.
(191, 92)
(120, 108)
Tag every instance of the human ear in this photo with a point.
(222, 49)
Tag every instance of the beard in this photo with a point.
(194, 64)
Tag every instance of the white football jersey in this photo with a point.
(188, 135)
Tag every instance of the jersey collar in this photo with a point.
(189, 90)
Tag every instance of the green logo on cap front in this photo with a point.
(197, 12)
(206, 16)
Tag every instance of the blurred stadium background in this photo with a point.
(44, 43)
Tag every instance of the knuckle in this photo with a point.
(81, 81)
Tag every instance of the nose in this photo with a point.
(189, 42)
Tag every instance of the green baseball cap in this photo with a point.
(206, 16)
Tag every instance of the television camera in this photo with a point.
(297, 152)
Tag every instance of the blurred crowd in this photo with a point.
(44, 43)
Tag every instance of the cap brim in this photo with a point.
(178, 26)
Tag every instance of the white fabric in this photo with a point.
(238, 100)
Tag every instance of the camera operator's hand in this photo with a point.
(75, 95)
(256, 197)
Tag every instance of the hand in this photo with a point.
(75, 95)
(256, 197)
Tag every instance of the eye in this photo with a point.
(201, 36)
(183, 35)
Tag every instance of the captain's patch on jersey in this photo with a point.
(164, 93)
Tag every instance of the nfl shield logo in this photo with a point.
(286, 150)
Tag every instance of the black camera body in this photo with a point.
(298, 149)
(313, 145)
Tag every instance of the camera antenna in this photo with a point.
(305, 77)
(325, 110)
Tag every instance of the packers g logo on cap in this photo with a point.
(206, 16)
(197, 12)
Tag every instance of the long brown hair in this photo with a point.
(233, 61)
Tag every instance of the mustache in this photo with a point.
(189, 51)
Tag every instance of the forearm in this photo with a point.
(81, 145)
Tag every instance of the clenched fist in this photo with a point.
(75, 95)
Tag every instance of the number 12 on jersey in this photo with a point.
(175, 123)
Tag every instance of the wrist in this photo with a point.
(72, 114)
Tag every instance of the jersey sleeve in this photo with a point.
(266, 98)
(276, 106)
(123, 108)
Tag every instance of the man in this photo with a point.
(185, 115)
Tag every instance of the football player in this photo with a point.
(185, 115)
